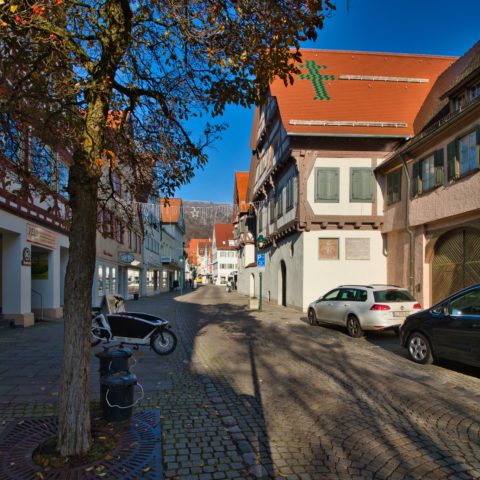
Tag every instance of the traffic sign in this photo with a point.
(261, 260)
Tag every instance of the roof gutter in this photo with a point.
(410, 232)
(428, 133)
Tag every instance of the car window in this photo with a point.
(347, 294)
(331, 295)
(468, 304)
(361, 295)
(393, 295)
(440, 308)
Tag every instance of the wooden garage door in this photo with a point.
(456, 263)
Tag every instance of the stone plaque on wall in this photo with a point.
(357, 249)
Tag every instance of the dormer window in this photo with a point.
(459, 101)
(474, 91)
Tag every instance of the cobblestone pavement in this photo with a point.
(264, 395)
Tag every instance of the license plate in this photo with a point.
(401, 314)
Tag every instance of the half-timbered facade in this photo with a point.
(316, 144)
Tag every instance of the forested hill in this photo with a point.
(201, 216)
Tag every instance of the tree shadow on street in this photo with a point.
(316, 401)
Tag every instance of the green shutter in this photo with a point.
(416, 178)
(438, 163)
(334, 186)
(326, 185)
(320, 185)
(451, 160)
(361, 185)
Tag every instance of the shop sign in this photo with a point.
(41, 236)
(126, 257)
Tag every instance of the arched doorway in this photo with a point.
(252, 285)
(282, 284)
(456, 262)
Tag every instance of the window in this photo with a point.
(43, 161)
(114, 280)
(462, 154)
(428, 173)
(117, 184)
(62, 178)
(11, 141)
(474, 91)
(468, 153)
(290, 193)
(260, 218)
(347, 294)
(100, 280)
(392, 296)
(468, 304)
(271, 204)
(362, 185)
(107, 280)
(394, 187)
(280, 203)
(327, 184)
(331, 295)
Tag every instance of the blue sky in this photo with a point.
(436, 27)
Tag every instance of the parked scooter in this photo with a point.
(112, 323)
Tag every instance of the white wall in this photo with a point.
(320, 276)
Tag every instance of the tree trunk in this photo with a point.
(74, 412)
(74, 435)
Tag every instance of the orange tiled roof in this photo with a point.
(223, 233)
(241, 188)
(383, 91)
(170, 213)
(198, 247)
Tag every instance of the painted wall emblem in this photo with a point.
(316, 78)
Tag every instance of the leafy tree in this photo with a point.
(148, 71)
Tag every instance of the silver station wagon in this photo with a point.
(363, 307)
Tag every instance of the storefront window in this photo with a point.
(107, 280)
(100, 280)
(133, 281)
(150, 281)
(114, 280)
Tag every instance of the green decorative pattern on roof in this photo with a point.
(317, 79)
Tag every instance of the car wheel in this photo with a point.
(419, 348)
(353, 327)
(312, 318)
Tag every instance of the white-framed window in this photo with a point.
(467, 151)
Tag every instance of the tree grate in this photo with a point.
(138, 454)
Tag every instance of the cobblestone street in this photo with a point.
(265, 395)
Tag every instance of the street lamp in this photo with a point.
(261, 264)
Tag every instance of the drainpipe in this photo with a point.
(411, 235)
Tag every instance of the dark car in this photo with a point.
(450, 329)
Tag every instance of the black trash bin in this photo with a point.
(116, 396)
(115, 360)
(135, 296)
